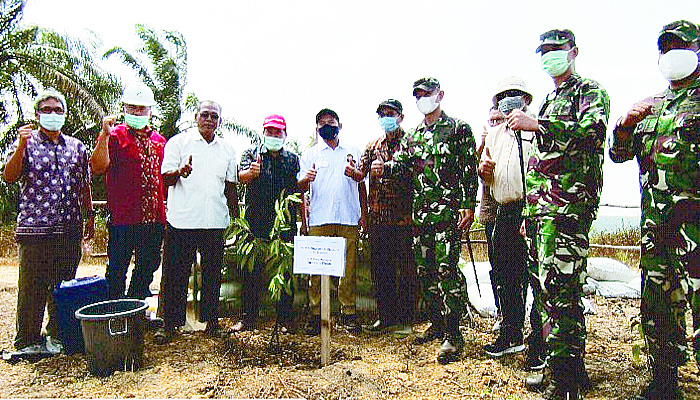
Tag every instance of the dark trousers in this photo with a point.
(251, 293)
(510, 267)
(143, 240)
(42, 265)
(393, 272)
(181, 246)
(488, 230)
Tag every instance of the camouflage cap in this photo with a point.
(391, 103)
(686, 30)
(556, 37)
(427, 84)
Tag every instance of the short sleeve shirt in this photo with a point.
(198, 200)
(54, 176)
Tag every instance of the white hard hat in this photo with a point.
(138, 94)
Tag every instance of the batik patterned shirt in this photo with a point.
(54, 177)
(389, 198)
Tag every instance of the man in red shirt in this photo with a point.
(130, 154)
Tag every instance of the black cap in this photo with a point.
(391, 103)
(557, 37)
(327, 111)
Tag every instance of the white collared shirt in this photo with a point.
(198, 201)
(335, 198)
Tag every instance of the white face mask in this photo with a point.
(677, 64)
(426, 105)
(52, 122)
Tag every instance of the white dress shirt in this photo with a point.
(335, 198)
(198, 201)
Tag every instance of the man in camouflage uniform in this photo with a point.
(663, 133)
(564, 180)
(441, 154)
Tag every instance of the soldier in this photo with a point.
(441, 153)
(663, 133)
(564, 180)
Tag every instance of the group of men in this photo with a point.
(542, 175)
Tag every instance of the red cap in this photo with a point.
(275, 121)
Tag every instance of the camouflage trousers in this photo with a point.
(670, 283)
(436, 249)
(558, 247)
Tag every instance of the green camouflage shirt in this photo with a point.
(442, 161)
(565, 170)
(667, 146)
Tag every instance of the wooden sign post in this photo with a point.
(325, 256)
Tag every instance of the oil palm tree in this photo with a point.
(32, 58)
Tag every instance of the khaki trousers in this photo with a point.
(346, 288)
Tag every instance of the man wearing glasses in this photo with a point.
(54, 179)
(564, 180)
(130, 154)
(200, 171)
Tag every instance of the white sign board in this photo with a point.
(319, 255)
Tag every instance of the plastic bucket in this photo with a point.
(113, 335)
(69, 296)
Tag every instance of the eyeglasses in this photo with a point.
(208, 115)
(49, 110)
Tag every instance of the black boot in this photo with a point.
(564, 384)
(663, 386)
(453, 342)
(435, 331)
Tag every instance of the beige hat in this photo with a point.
(512, 83)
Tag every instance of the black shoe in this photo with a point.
(451, 348)
(243, 325)
(313, 325)
(504, 345)
(429, 335)
(536, 359)
(379, 326)
(350, 324)
(215, 330)
(164, 335)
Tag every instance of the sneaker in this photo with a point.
(535, 360)
(429, 335)
(243, 325)
(350, 324)
(504, 345)
(313, 325)
(403, 330)
(379, 326)
(451, 348)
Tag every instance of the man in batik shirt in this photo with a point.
(389, 224)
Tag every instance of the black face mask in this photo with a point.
(328, 132)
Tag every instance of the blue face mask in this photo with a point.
(52, 122)
(273, 143)
(389, 124)
(329, 132)
(136, 121)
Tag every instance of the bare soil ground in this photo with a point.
(362, 367)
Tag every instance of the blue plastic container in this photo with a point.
(71, 295)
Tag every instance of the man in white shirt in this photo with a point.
(502, 170)
(328, 171)
(200, 170)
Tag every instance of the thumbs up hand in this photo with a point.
(311, 174)
(186, 169)
(377, 167)
(351, 171)
(255, 166)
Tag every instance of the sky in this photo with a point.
(294, 58)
